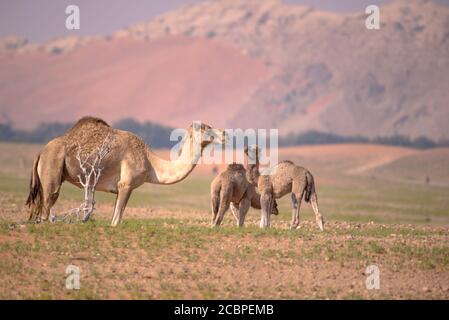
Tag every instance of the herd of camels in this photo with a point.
(130, 163)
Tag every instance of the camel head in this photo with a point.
(253, 153)
(205, 134)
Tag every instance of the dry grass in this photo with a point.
(186, 259)
(166, 249)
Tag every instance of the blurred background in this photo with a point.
(373, 103)
(231, 63)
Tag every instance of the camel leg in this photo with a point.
(297, 195)
(296, 206)
(235, 212)
(50, 195)
(215, 203)
(318, 217)
(225, 201)
(295, 218)
(124, 192)
(243, 210)
(224, 206)
(266, 201)
(49, 170)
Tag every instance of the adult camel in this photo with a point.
(129, 163)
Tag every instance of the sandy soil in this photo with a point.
(177, 255)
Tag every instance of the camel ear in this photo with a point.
(196, 125)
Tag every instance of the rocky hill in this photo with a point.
(272, 65)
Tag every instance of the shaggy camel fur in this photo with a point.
(287, 178)
(128, 165)
(231, 189)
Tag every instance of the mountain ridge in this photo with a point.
(317, 70)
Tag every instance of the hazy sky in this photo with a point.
(39, 20)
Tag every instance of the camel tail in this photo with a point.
(310, 187)
(34, 200)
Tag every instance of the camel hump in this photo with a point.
(88, 120)
(286, 161)
(87, 135)
(236, 167)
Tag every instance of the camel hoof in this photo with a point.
(321, 225)
(38, 220)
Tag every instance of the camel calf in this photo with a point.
(232, 189)
(287, 178)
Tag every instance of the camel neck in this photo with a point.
(169, 172)
(252, 174)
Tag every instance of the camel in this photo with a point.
(231, 189)
(287, 178)
(129, 164)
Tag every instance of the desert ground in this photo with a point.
(384, 206)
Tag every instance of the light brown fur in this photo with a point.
(231, 189)
(287, 178)
(129, 164)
